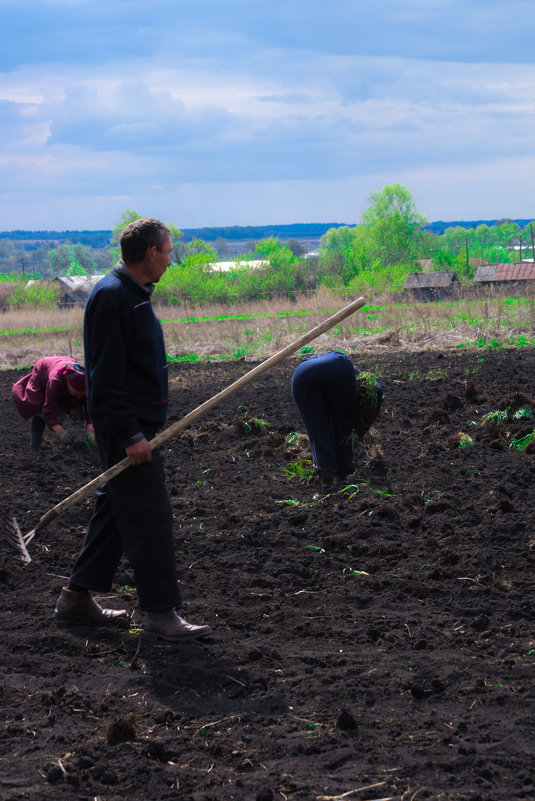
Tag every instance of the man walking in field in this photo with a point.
(126, 373)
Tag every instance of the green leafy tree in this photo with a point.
(393, 225)
(75, 268)
(271, 250)
(195, 247)
(443, 260)
(297, 248)
(344, 253)
(528, 239)
(507, 233)
(62, 257)
(335, 245)
(482, 235)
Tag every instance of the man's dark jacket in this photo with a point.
(125, 358)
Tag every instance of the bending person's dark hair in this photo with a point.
(140, 235)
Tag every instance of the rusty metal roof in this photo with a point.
(505, 271)
(523, 271)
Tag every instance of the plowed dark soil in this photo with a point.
(375, 643)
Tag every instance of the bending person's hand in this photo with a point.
(65, 437)
(139, 453)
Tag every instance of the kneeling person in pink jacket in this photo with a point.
(54, 388)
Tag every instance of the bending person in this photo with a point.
(335, 401)
(54, 388)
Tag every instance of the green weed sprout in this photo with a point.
(523, 442)
(306, 349)
(302, 469)
(351, 489)
(495, 418)
(524, 413)
(289, 502)
(292, 438)
(254, 422)
(349, 571)
(382, 493)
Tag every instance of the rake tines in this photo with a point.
(13, 535)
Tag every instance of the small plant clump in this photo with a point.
(463, 440)
(524, 413)
(495, 418)
(255, 423)
(292, 438)
(366, 404)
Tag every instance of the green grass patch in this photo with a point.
(523, 442)
(302, 469)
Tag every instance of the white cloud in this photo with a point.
(107, 100)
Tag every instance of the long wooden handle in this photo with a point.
(163, 436)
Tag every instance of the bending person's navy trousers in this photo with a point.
(132, 516)
(323, 388)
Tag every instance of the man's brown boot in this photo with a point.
(80, 608)
(171, 627)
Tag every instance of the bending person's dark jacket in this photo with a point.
(125, 359)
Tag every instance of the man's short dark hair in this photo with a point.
(140, 235)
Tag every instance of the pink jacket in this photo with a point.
(44, 391)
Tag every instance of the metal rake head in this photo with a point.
(13, 535)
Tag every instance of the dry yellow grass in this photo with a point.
(266, 327)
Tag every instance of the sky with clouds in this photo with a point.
(258, 112)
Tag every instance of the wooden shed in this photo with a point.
(75, 289)
(438, 285)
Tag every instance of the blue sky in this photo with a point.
(251, 112)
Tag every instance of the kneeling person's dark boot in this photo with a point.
(36, 434)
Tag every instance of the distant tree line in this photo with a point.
(392, 240)
(99, 239)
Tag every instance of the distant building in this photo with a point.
(437, 285)
(505, 275)
(225, 266)
(75, 289)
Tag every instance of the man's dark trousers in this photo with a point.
(132, 516)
